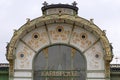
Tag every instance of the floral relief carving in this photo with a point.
(23, 56)
(37, 39)
(82, 39)
(95, 57)
(59, 34)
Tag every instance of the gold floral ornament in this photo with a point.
(83, 36)
(98, 55)
(34, 42)
(21, 55)
(59, 29)
(36, 36)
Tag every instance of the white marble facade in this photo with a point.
(39, 38)
(59, 25)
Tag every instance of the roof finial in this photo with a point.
(92, 20)
(74, 3)
(28, 20)
(45, 3)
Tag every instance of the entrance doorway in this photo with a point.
(59, 62)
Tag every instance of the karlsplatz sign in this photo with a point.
(58, 73)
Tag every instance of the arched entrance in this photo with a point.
(59, 62)
(59, 24)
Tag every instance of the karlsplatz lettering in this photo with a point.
(59, 73)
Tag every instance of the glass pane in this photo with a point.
(59, 63)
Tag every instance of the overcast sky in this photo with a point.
(106, 14)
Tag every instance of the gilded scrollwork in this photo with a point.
(77, 20)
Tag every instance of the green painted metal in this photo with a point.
(4, 75)
(115, 76)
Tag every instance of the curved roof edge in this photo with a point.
(83, 21)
